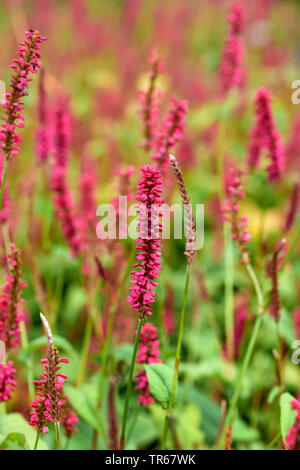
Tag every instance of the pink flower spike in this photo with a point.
(148, 244)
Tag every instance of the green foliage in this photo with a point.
(287, 414)
(160, 379)
(15, 432)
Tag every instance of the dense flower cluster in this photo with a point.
(26, 63)
(10, 313)
(239, 224)
(170, 133)
(63, 198)
(264, 135)
(50, 403)
(231, 71)
(42, 134)
(149, 103)
(148, 244)
(7, 381)
(148, 353)
(293, 438)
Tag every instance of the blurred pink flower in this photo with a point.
(231, 72)
(7, 381)
(10, 313)
(148, 353)
(265, 135)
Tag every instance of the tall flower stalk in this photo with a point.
(147, 268)
(189, 252)
(50, 404)
(25, 64)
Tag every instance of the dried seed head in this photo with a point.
(188, 212)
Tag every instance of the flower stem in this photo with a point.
(3, 180)
(85, 350)
(249, 352)
(129, 385)
(229, 300)
(29, 363)
(177, 359)
(36, 441)
(57, 432)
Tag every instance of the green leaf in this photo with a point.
(14, 441)
(160, 379)
(82, 402)
(274, 393)
(287, 414)
(12, 426)
(241, 432)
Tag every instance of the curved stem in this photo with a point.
(129, 385)
(177, 359)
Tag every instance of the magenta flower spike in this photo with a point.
(27, 62)
(148, 244)
(7, 376)
(264, 135)
(170, 133)
(149, 110)
(239, 224)
(63, 200)
(10, 300)
(50, 404)
(231, 71)
(148, 353)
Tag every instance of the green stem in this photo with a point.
(129, 385)
(4, 175)
(248, 354)
(177, 359)
(36, 441)
(258, 290)
(85, 350)
(229, 298)
(57, 432)
(29, 363)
